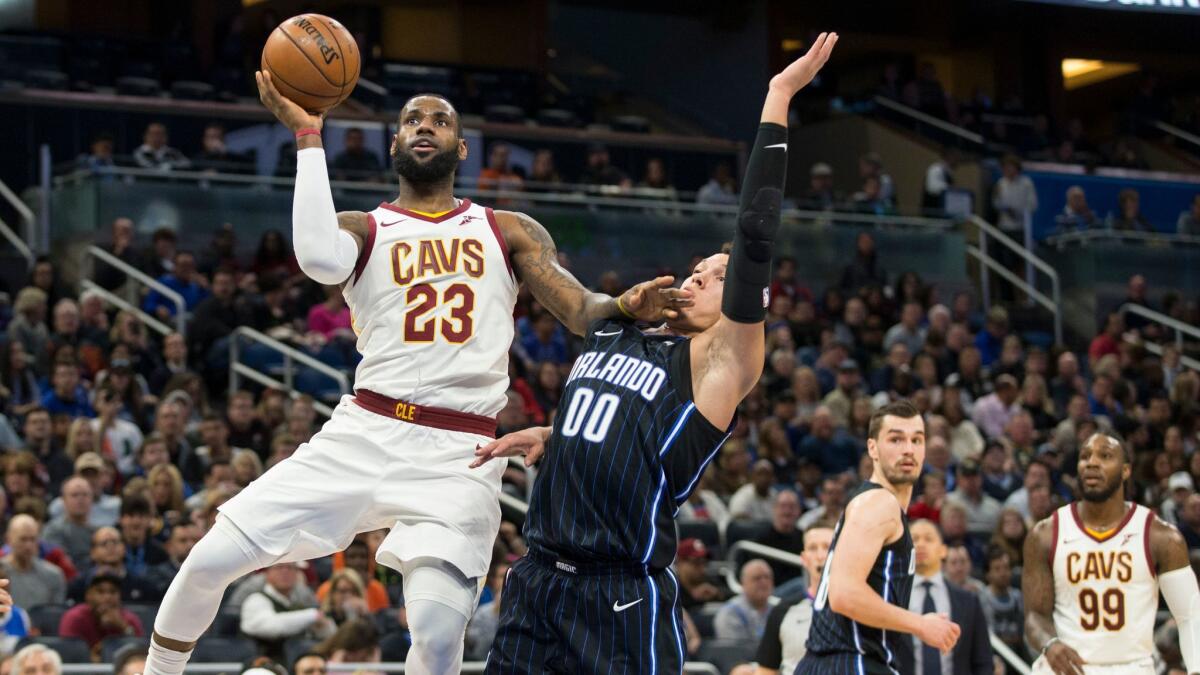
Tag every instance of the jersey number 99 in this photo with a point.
(1107, 610)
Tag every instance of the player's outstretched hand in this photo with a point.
(939, 632)
(528, 442)
(802, 71)
(293, 116)
(1063, 660)
(656, 300)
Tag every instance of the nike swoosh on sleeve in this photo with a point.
(777, 145)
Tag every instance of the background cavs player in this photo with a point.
(1093, 571)
(431, 282)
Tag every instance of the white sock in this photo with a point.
(163, 661)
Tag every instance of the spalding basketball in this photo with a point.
(313, 60)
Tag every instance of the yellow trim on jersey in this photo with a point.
(439, 214)
(1100, 534)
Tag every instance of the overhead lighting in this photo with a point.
(792, 45)
(1083, 72)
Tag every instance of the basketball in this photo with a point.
(313, 60)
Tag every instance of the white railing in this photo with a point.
(589, 196)
(115, 300)
(181, 314)
(932, 121)
(1174, 324)
(1002, 650)
(1175, 131)
(513, 503)
(1085, 237)
(761, 551)
(1052, 302)
(22, 245)
(291, 356)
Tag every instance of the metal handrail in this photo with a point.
(1174, 324)
(151, 322)
(176, 299)
(1177, 132)
(26, 215)
(763, 551)
(1010, 657)
(1084, 237)
(530, 474)
(929, 119)
(570, 195)
(290, 354)
(513, 503)
(1052, 303)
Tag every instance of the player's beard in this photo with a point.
(897, 477)
(1101, 494)
(434, 170)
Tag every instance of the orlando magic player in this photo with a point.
(642, 416)
(860, 618)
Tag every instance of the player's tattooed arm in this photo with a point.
(535, 260)
(1037, 588)
(354, 222)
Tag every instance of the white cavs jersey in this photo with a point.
(432, 301)
(1105, 587)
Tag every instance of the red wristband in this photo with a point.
(308, 132)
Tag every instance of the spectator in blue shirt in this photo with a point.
(990, 340)
(183, 280)
(545, 343)
(66, 395)
(829, 447)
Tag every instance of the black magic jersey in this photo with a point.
(628, 447)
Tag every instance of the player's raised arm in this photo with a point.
(1037, 588)
(872, 522)
(1177, 583)
(535, 260)
(727, 359)
(327, 243)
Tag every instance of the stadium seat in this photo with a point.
(737, 530)
(110, 646)
(72, 650)
(704, 530)
(190, 90)
(145, 614)
(704, 617)
(557, 117)
(46, 618)
(504, 113)
(394, 646)
(224, 650)
(726, 654)
(226, 624)
(295, 648)
(39, 78)
(631, 123)
(138, 86)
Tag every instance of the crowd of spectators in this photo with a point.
(120, 444)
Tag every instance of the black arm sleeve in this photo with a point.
(749, 271)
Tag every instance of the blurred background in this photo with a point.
(976, 189)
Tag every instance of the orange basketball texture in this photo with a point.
(313, 60)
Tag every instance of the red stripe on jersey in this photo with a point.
(365, 254)
(1053, 537)
(1146, 543)
(491, 217)
(466, 204)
